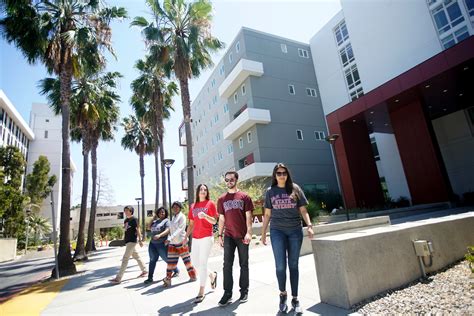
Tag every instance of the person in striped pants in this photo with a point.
(176, 246)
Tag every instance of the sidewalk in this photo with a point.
(90, 292)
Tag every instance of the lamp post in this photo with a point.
(138, 209)
(331, 139)
(27, 220)
(168, 163)
(54, 236)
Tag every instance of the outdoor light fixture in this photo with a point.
(27, 220)
(138, 199)
(168, 163)
(331, 139)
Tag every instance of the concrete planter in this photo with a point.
(7, 249)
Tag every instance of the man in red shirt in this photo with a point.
(235, 231)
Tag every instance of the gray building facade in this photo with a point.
(265, 94)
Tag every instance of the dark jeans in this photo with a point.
(155, 251)
(229, 252)
(287, 243)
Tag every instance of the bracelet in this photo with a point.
(220, 235)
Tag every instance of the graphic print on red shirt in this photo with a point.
(202, 228)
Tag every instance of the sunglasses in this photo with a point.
(281, 174)
(229, 180)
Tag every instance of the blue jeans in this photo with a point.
(283, 243)
(155, 251)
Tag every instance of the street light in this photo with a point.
(168, 163)
(332, 140)
(138, 209)
(56, 263)
(27, 220)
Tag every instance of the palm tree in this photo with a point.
(104, 129)
(183, 31)
(39, 225)
(65, 35)
(138, 137)
(152, 96)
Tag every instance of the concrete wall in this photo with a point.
(456, 142)
(390, 166)
(387, 38)
(354, 266)
(7, 249)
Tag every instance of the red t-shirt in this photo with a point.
(234, 206)
(202, 228)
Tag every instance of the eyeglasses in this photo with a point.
(282, 174)
(229, 180)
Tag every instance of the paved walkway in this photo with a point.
(90, 292)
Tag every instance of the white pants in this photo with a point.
(200, 251)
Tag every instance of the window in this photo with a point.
(470, 7)
(284, 49)
(375, 150)
(231, 58)
(356, 94)
(249, 137)
(216, 118)
(237, 47)
(236, 97)
(303, 53)
(226, 108)
(241, 143)
(45, 134)
(299, 134)
(220, 156)
(458, 36)
(214, 99)
(213, 82)
(311, 92)
(47, 120)
(447, 15)
(221, 70)
(347, 55)
(230, 148)
(341, 33)
(291, 89)
(352, 77)
(319, 135)
(243, 89)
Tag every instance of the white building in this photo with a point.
(13, 128)
(48, 142)
(380, 64)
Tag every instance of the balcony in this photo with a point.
(241, 71)
(256, 169)
(244, 121)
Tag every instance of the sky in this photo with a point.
(297, 20)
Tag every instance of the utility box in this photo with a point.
(421, 248)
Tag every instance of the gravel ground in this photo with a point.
(449, 292)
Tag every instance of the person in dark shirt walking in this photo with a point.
(132, 232)
(235, 231)
(285, 205)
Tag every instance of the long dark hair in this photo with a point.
(199, 188)
(290, 187)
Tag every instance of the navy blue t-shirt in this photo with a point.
(285, 209)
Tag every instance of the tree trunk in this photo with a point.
(90, 245)
(186, 103)
(80, 252)
(142, 183)
(65, 263)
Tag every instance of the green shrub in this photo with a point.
(470, 257)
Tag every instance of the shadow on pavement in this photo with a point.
(326, 309)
